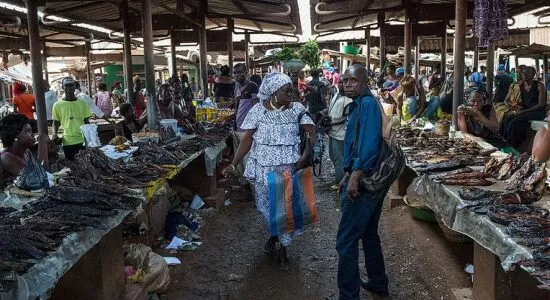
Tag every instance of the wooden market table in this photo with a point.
(495, 252)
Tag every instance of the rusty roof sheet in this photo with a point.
(338, 15)
(249, 14)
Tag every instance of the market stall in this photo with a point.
(68, 238)
(493, 198)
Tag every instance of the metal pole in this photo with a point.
(458, 55)
(37, 80)
(203, 60)
(45, 62)
(443, 64)
(476, 56)
(382, 25)
(173, 60)
(417, 58)
(89, 74)
(147, 28)
(246, 55)
(545, 66)
(408, 42)
(367, 41)
(490, 69)
(127, 64)
(230, 26)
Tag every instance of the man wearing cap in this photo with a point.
(70, 113)
(502, 84)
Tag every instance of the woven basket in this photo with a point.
(451, 235)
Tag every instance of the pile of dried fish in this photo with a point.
(27, 235)
(152, 152)
(528, 225)
(430, 148)
(217, 132)
(93, 164)
(522, 174)
(440, 167)
(466, 179)
(190, 146)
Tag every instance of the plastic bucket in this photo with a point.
(166, 123)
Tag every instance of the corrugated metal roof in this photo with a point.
(330, 15)
(106, 14)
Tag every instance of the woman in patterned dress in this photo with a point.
(273, 139)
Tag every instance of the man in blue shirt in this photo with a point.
(361, 210)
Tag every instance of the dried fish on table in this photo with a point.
(473, 193)
(505, 214)
(467, 182)
(92, 164)
(440, 167)
(14, 248)
(6, 210)
(154, 153)
(471, 175)
(8, 280)
(454, 172)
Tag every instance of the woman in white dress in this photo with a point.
(273, 139)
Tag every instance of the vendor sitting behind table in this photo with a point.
(17, 137)
(167, 108)
(413, 104)
(479, 119)
(532, 107)
(131, 124)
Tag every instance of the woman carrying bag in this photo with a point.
(273, 138)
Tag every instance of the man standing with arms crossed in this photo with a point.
(361, 210)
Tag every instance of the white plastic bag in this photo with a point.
(90, 135)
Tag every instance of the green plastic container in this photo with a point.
(421, 214)
(352, 50)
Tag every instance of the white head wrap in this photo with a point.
(271, 84)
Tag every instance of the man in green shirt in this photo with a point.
(70, 113)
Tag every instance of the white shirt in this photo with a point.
(336, 111)
(51, 97)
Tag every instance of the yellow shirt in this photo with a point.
(71, 115)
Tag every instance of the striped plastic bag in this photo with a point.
(291, 201)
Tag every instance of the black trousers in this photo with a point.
(72, 150)
(514, 128)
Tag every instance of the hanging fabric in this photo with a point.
(490, 21)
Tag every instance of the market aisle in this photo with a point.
(421, 265)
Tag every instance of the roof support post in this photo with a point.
(246, 42)
(89, 74)
(367, 54)
(443, 65)
(490, 70)
(45, 63)
(417, 58)
(202, 47)
(545, 69)
(173, 59)
(230, 28)
(382, 25)
(127, 63)
(458, 55)
(408, 42)
(147, 28)
(37, 79)
(476, 56)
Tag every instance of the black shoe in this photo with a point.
(367, 286)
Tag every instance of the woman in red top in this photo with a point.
(139, 99)
(23, 103)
